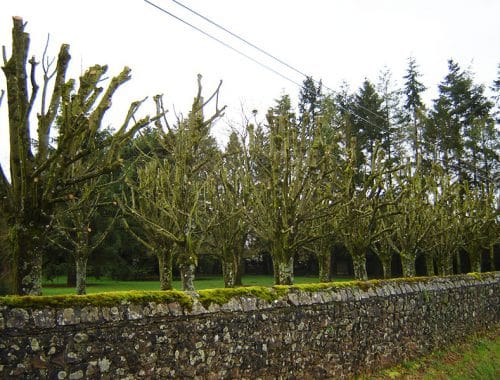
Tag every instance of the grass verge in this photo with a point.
(478, 358)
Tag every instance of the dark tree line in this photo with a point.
(372, 172)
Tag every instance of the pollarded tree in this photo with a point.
(322, 247)
(478, 221)
(445, 239)
(148, 201)
(289, 187)
(412, 219)
(170, 191)
(77, 226)
(228, 197)
(39, 170)
(326, 123)
(362, 209)
(384, 250)
(139, 167)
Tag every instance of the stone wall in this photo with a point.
(305, 332)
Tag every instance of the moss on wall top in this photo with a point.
(209, 296)
(222, 296)
(98, 299)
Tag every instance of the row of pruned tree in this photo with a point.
(373, 171)
(296, 185)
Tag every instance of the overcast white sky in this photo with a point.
(333, 40)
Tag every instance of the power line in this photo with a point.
(251, 58)
(221, 42)
(239, 38)
(270, 55)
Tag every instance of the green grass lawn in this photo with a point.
(58, 285)
(476, 359)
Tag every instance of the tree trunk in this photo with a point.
(5, 272)
(238, 278)
(492, 258)
(475, 261)
(408, 265)
(81, 274)
(448, 265)
(229, 273)
(27, 268)
(445, 264)
(387, 266)
(285, 272)
(276, 271)
(165, 257)
(187, 276)
(325, 264)
(429, 264)
(359, 265)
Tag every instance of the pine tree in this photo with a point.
(368, 120)
(461, 126)
(310, 99)
(391, 137)
(414, 109)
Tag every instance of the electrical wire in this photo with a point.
(206, 34)
(239, 38)
(270, 55)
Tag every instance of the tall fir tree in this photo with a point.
(368, 120)
(310, 98)
(413, 109)
(391, 137)
(461, 126)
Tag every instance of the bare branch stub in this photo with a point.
(34, 85)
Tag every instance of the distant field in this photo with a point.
(58, 285)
